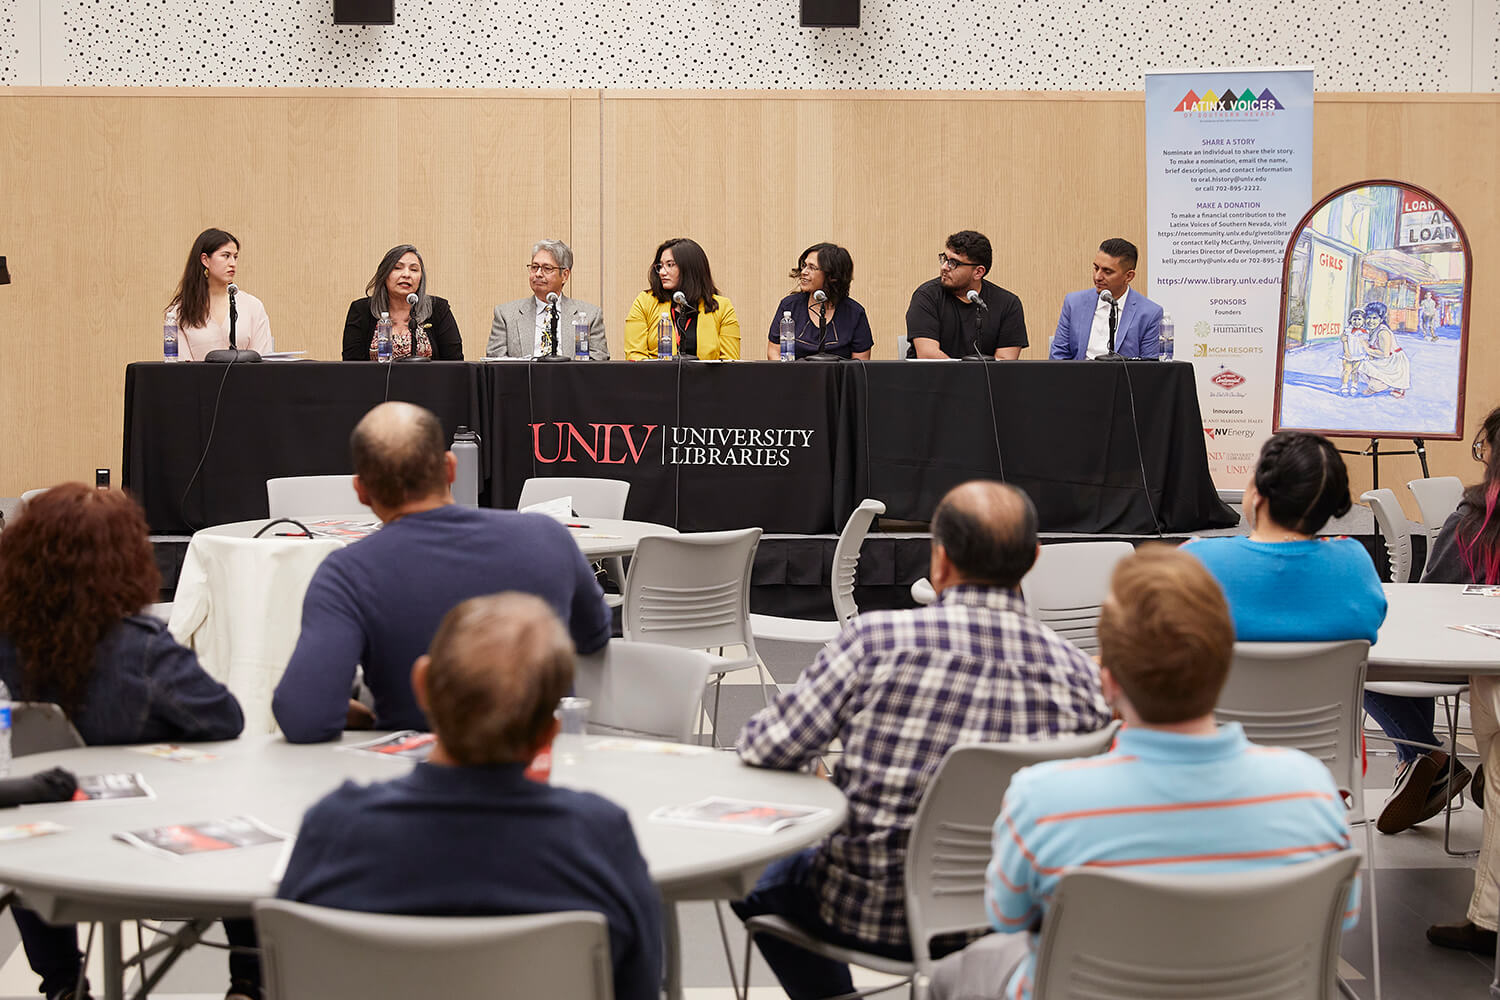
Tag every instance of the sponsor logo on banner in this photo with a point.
(1222, 350)
(1227, 379)
(564, 442)
(1236, 330)
(1230, 104)
(1224, 433)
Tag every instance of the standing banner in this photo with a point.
(1228, 176)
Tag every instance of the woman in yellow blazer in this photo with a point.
(707, 328)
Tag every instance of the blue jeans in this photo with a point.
(1404, 719)
(786, 890)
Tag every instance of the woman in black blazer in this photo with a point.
(401, 274)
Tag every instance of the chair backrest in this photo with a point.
(40, 727)
(1234, 936)
(1305, 695)
(1068, 585)
(846, 557)
(692, 590)
(1395, 528)
(1437, 499)
(31, 495)
(299, 496)
(644, 688)
(950, 842)
(591, 497)
(317, 953)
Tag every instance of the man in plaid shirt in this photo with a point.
(897, 689)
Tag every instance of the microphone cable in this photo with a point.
(213, 423)
(1135, 427)
(994, 418)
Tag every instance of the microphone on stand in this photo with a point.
(821, 297)
(974, 298)
(679, 299)
(552, 323)
(233, 354)
(1106, 295)
(411, 329)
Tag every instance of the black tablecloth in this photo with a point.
(791, 448)
(274, 419)
(1099, 446)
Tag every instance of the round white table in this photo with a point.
(1416, 642)
(83, 874)
(239, 598)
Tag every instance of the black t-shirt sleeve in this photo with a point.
(922, 315)
(1012, 332)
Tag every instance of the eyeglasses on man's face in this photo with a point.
(547, 269)
(950, 263)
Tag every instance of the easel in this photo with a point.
(1373, 450)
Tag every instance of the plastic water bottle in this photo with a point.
(664, 337)
(1165, 342)
(788, 337)
(169, 339)
(4, 730)
(465, 449)
(580, 337)
(383, 338)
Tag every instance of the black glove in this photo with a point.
(56, 785)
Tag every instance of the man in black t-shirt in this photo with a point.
(942, 322)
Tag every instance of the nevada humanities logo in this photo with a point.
(1229, 103)
(626, 444)
(1227, 379)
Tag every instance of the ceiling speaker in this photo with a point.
(364, 11)
(830, 13)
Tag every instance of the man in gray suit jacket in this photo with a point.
(519, 326)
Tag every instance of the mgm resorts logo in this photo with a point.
(564, 442)
(1212, 350)
(1223, 433)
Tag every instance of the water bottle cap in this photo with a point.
(385, 315)
(787, 314)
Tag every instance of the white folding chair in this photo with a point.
(946, 854)
(40, 727)
(1068, 585)
(693, 591)
(1234, 936)
(1394, 528)
(1437, 498)
(299, 496)
(1307, 695)
(29, 496)
(644, 688)
(845, 565)
(318, 953)
(591, 498)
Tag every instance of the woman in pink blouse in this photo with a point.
(201, 304)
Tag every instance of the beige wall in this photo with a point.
(105, 190)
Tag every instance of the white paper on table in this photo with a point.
(561, 508)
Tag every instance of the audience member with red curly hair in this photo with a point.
(76, 572)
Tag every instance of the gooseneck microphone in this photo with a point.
(552, 354)
(233, 354)
(411, 329)
(821, 298)
(1105, 295)
(680, 300)
(974, 298)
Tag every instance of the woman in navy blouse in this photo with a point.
(845, 327)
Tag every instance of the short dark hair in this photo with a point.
(838, 269)
(399, 454)
(1123, 250)
(1165, 634)
(988, 532)
(1303, 480)
(694, 278)
(975, 246)
(499, 663)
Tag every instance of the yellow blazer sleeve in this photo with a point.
(640, 328)
(728, 330)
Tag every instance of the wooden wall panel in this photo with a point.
(105, 190)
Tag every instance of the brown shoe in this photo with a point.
(1466, 936)
(1413, 784)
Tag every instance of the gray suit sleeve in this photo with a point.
(496, 348)
(598, 345)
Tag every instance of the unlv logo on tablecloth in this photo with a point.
(605, 444)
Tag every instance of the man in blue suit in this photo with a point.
(1083, 327)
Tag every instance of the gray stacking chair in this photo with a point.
(1237, 936)
(644, 688)
(40, 727)
(946, 854)
(318, 953)
(1437, 498)
(299, 496)
(1068, 585)
(1307, 695)
(693, 591)
(591, 498)
(845, 565)
(1395, 528)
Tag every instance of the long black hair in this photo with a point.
(1478, 533)
(837, 267)
(191, 297)
(694, 279)
(1303, 479)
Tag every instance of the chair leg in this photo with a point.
(734, 981)
(1450, 708)
(1374, 916)
(714, 719)
(763, 675)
